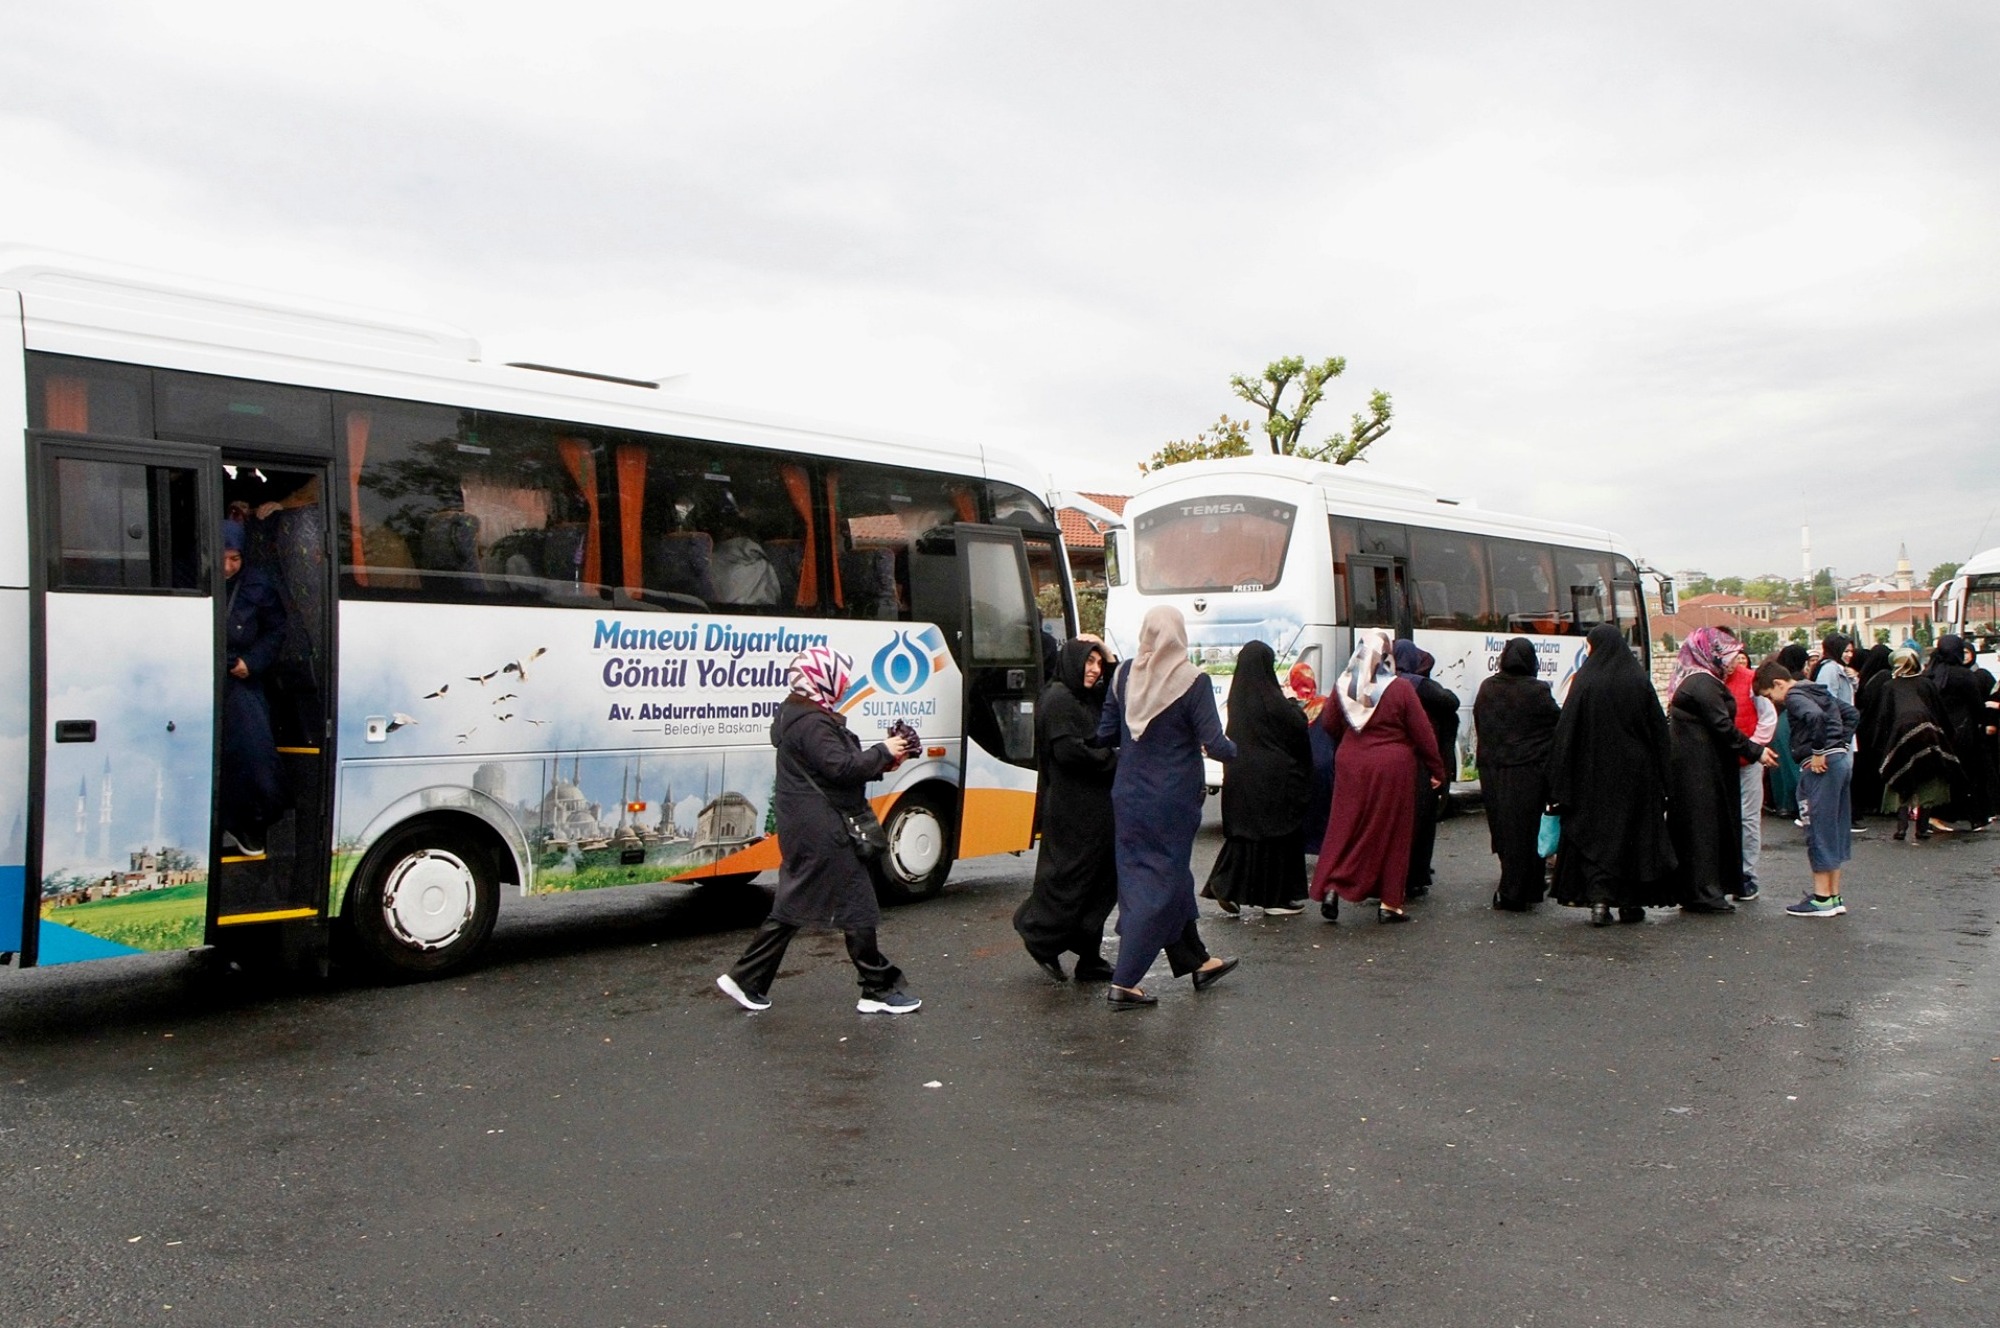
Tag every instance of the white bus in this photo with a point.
(1968, 603)
(1299, 554)
(534, 626)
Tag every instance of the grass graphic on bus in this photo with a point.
(167, 918)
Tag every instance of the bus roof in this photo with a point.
(96, 309)
(1348, 492)
(1981, 564)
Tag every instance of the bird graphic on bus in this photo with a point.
(520, 666)
(482, 678)
(399, 720)
(432, 696)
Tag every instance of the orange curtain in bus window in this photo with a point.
(631, 459)
(67, 403)
(966, 503)
(799, 488)
(357, 453)
(581, 464)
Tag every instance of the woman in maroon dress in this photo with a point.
(1383, 738)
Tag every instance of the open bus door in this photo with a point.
(128, 611)
(974, 582)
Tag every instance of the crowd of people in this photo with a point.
(1335, 797)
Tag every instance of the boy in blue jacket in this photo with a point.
(1822, 725)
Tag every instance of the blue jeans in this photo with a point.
(1829, 812)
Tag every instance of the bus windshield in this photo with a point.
(1223, 543)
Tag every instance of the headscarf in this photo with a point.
(1794, 657)
(1873, 661)
(1905, 663)
(1070, 660)
(232, 537)
(1305, 689)
(1707, 650)
(821, 674)
(1160, 672)
(1518, 658)
(1833, 648)
(1369, 670)
(1950, 650)
(1254, 693)
(1412, 661)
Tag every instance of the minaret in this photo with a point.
(1906, 575)
(158, 841)
(104, 814)
(82, 817)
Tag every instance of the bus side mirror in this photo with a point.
(1112, 559)
(1670, 602)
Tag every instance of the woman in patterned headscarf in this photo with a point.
(1705, 810)
(823, 772)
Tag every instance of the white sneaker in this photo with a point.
(891, 1002)
(740, 996)
(1286, 912)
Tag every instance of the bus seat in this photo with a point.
(387, 560)
(677, 563)
(868, 578)
(451, 545)
(787, 557)
(518, 559)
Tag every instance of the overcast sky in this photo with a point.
(1694, 272)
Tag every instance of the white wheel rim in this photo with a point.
(916, 843)
(429, 898)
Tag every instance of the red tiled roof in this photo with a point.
(1079, 531)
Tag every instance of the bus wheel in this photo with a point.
(423, 903)
(919, 830)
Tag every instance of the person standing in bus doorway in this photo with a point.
(1514, 718)
(1305, 690)
(823, 771)
(1608, 782)
(1440, 703)
(1384, 741)
(1076, 868)
(1704, 812)
(1161, 714)
(1263, 858)
(252, 784)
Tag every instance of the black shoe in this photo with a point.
(1416, 891)
(1228, 906)
(1505, 905)
(1091, 968)
(1724, 907)
(1628, 915)
(1204, 978)
(1329, 909)
(1600, 915)
(1052, 965)
(1383, 913)
(1121, 998)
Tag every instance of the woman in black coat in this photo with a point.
(1514, 718)
(1076, 870)
(252, 781)
(823, 772)
(1263, 858)
(1440, 703)
(1705, 815)
(1871, 684)
(1608, 781)
(1906, 738)
(1964, 701)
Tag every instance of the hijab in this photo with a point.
(1412, 661)
(1070, 661)
(1950, 651)
(1305, 689)
(1707, 650)
(1517, 657)
(1256, 703)
(1875, 660)
(1794, 657)
(821, 675)
(232, 537)
(1834, 648)
(1905, 663)
(1370, 669)
(1160, 672)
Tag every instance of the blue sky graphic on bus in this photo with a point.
(13, 765)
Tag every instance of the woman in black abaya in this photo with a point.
(1076, 871)
(1964, 701)
(1514, 717)
(1263, 858)
(1440, 703)
(1706, 814)
(1870, 686)
(1608, 781)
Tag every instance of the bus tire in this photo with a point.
(423, 902)
(921, 831)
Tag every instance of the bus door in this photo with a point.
(274, 781)
(974, 582)
(123, 615)
(1378, 593)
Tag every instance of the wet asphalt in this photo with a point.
(1475, 1119)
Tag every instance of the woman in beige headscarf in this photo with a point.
(1161, 714)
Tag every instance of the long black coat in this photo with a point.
(1076, 870)
(1608, 773)
(1706, 814)
(1514, 717)
(822, 882)
(252, 780)
(1964, 700)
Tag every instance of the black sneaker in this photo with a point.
(888, 1002)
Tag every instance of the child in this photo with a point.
(1822, 725)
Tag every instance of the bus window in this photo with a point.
(1224, 543)
(89, 396)
(1584, 586)
(709, 525)
(1625, 600)
(1340, 535)
(1448, 570)
(878, 513)
(1015, 506)
(203, 408)
(1384, 538)
(1524, 587)
(123, 526)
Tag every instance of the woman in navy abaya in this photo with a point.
(1161, 713)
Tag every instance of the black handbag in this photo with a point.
(864, 829)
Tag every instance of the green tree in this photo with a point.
(1284, 428)
(1698, 585)
(1760, 643)
(1224, 438)
(1881, 636)
(1942, 573)
(1729, 585)
(1768, 589)
(1799, 637)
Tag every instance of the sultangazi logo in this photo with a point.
(1214, 509)
(901, 667)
